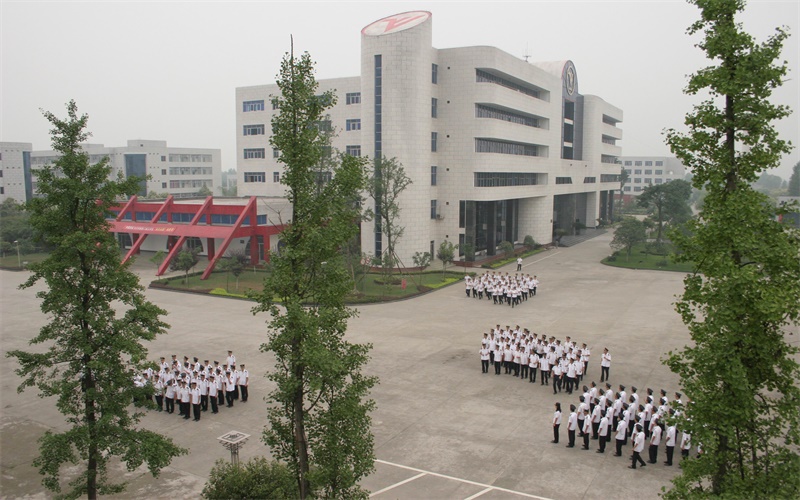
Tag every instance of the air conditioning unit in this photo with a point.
(439, 217)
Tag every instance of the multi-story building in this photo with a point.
(15, 171)
(497, 148)
(646, 170)
(181, 172)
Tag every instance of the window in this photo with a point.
(637, 163)
(563, 180)
(2, 190)
(659, 181)
(638, 171)
(483, 111)
(253, 106)
(253, 129)
(1, 173)
(433, 175)
(648, 164)
(255, 177)
(353, 98)
(659, 163)
(353, 124)
(628, 171)
(163, 158)
(434, 73)
(163, 171)
(504, 179)
(486, 77)
(275, 153)
(610, 178)
(637, 189)
(275, 104)
(505, 147)
(323, 125)
(353, 150)
(253, 153)
(434, 213)
(434, 105)
(628, 163)
(276, 177)
(648, 181)
(627, 188)
(659, 172)
(589, 180)
(648, 172)
(637, 180)
(163, 185)
(434, 140)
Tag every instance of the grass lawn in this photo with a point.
(638, 260)
(10, 260)
(224, 283)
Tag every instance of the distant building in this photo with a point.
(181, 172)
(645, 170)
(15, 171)
(497, 148)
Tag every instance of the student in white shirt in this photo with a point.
(556, 422)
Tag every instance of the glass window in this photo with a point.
(638, 171)
(434, 73)
(648, 164)
(483, 111)
(659, 172)
(659, 181)
(353, 124)
(276, 177)
(628, 163)
(648, 172)
(659, 163)
(353, 98)
(253, 106)
(254, 153)
(434, 213)
(637, 163)
(255, 177)
(433, 175)
(253, 129)
(353, 150)
(275, 153)
(434, 104)
(434, 140)
(637, 180)
(648, 181)
(505, 147)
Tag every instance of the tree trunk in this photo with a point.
(91, 466)
(300, 432)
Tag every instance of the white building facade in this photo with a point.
(181, 172)
(497, 148)
(646, 170)
(15, 171)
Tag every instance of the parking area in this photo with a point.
(442, 428)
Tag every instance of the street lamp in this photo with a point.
(19, 259)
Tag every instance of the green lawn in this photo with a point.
(224, 283)
(10, 260)
(638, 260)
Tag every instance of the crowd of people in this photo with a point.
(193, 386)
(502, 288)
(600, 412)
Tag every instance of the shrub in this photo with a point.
(257, 478)
(529, 241)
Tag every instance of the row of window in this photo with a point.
(647, 163)
(188, 171)
(483, 111)
(253, 129)
(503, 179)
(647, 180)
(190, 183)
(486, 77)
(638, 171)
(261, 177)
(258, 104)
(189, 158)
(222, 219)
(260, 153)
(506, 147)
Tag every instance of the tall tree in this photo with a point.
(388, 182)
(319, 412)
(668, 203)
(629, 233)
(740, 373)
(794, 181)
(100, 320)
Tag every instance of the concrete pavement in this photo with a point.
(442, 429)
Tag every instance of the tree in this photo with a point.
(319, 414)
(184, 261)
(794, 181)
(236, 263)
(507, 248)
(100, 320)
(256, 478)
(446, 253)
(739, 372)
(389, 180)
(15, 226)
(628, 234)
(204, 191)
(158, 258)
(668, 203)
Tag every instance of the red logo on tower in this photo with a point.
(396, 23)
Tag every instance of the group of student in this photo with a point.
(193, 385)
(524, 354)
(602, 413)
(501, 288)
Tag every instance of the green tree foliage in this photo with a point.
(99, 321)
(15, 225)
(507, 248)
(158, 258)
(184, 261)
(257, 478)
(236, 263)
(388, 182)
(319, 411)
(794, 181)
(629, 233)
(667, 203)
(446, 253)
(740, 373)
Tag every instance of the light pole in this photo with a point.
(19, 259)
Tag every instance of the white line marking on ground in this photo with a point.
(476, 495)
(395, 485)
(459, 479)
(539, 260)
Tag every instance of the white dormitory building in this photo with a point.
(646, 170)
(497, 148)
(181, 172)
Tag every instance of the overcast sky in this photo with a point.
(169, 70)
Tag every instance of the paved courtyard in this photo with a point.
(442, 429)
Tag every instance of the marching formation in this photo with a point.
(192, 385)
(502, 288)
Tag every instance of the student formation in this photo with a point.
(193, 386)
(600, 412)
(502, 288)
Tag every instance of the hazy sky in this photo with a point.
(169, 70)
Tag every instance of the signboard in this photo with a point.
(396, 23)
